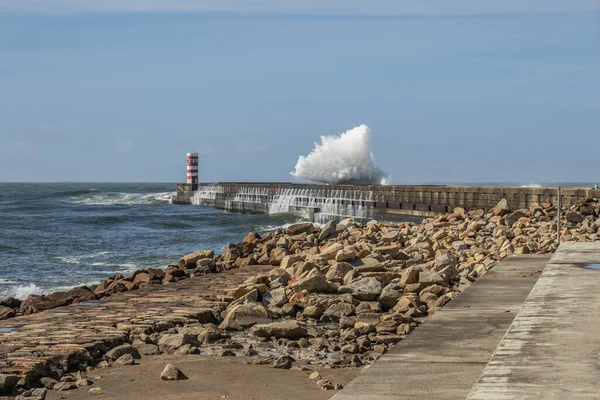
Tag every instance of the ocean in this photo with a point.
(55, 236)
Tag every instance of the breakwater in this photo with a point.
(389, 202)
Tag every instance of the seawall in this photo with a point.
(390, 202)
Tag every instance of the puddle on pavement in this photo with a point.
(92, 303)
(7, 330)
(591, 266)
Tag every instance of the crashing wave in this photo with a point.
(109, 199)
(343, 159)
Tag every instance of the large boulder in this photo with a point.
(314, 284)
(302, 227)
(337, 272)
(390, 295)
(501, 208)
(445, 260)
(275, 297)
(574, 217)
(514, 217)
(339, 310)
(327, 230)
(190, 260)
(6, 313)
(329, 252)
(277, 255)
(123, 349)
(170, 342)
(245, 315)
(290, 329)
(366, 289)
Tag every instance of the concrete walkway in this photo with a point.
(444, 357)
(552, 349)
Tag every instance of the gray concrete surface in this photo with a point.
(552, 348)
(443, 358)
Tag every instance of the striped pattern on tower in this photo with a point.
(192, 169)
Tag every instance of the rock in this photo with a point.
(283, 362)
(315, 376)
(410, 275)
(13, 303)
(118, 351)
(515, 216)
(314, 284)
(501, 208)
(329, 252)
(6, 312)
(312, 312)
(445, 260)
(339, 310)
(170, 342)
(190, 260)
(303, 227)
(244, 316)
(232, 252)
(252, 237)
(63, 386)
(392, 250)
(288, 261)
(327, 230)
(285, 329)
(345, 255)
(275, 297)
(337, 272)
(574, 217)
(171, 373)
(146, 349)
(7, 382)
(365, 289)
(390, 295)
(48, 383)
(227, 353)
(187, 349)
(125, 359)
(33, 394)
(277, 255)
(84, 382)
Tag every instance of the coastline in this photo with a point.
(331, 297)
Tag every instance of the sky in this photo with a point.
(453, 91)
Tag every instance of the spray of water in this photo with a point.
(343, 159)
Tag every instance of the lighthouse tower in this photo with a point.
(192, 170)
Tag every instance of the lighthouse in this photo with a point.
(192, 170)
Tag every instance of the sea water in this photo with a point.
(60, 235)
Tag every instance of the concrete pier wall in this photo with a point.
(380, 202)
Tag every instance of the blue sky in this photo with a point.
(469, 92)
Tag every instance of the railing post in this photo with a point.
(558, 211)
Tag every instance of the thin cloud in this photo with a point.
(124, 145)
(344, 7)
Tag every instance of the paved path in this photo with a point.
(552, 349)
(443, 358)
(35, 344)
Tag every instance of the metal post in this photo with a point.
(558, 210)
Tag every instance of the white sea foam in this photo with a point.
(108, 199)
(346, 158)
(532, 185)
(21, 292)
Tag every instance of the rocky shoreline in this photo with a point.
(338, 295)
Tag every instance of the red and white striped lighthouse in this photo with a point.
(192, 170)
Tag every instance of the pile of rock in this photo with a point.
(345, 293)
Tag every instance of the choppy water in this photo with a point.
(60, 235)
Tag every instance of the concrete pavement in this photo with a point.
(552, 349)
(444, 357)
